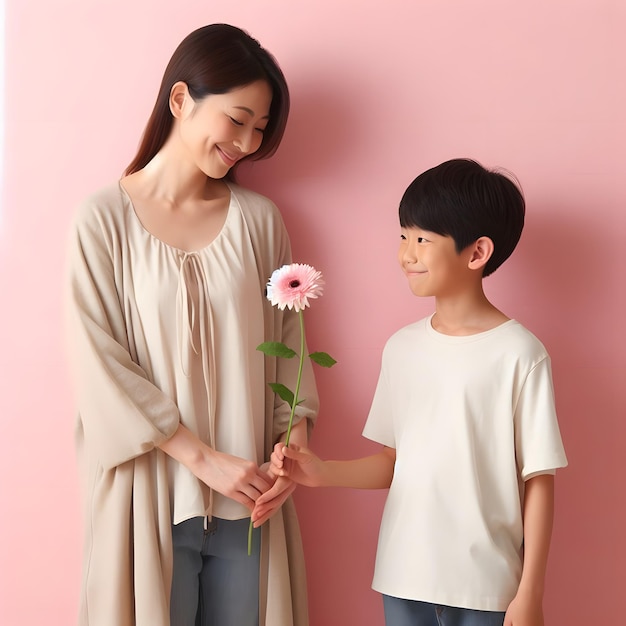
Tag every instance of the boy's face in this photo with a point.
(432, 264)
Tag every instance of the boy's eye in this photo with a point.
(422, 240)
(403, 237)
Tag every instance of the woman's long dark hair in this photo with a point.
(216, 59)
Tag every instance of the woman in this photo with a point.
(167, 269)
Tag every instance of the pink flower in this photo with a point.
(292, 285)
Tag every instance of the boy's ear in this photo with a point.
(482, 250)
(179, 99)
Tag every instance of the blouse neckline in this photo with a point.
(179, 251)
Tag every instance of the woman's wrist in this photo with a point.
(187, 449)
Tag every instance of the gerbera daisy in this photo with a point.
(292, 285)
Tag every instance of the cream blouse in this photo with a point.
(194, 320)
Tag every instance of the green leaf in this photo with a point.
(275, 348)
(323, 359)
(285, 393)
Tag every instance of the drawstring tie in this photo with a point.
(191, 272)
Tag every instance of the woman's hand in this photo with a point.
(234, 478)
(231, 476)
(268, 503)
(287, 467)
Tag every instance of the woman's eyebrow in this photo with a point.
(250, 112)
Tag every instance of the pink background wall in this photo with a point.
(381, 91)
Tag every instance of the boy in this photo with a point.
(464, 409)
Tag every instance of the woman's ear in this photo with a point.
(482, 250)
(180, 99)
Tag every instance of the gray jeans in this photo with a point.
(400, 612)
(215, 582)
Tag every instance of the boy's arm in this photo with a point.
(526, 608)
(370, 472)
(302, 466)
(297, 464)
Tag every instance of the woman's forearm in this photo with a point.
(186, 448)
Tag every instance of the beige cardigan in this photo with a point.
(123, 416)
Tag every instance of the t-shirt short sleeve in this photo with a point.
(379, 425)
(538, 444)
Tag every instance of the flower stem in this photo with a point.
(300, 366)
(293, 407)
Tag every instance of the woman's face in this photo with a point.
(221, 129)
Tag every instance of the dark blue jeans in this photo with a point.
(400, 612)
(215, 582)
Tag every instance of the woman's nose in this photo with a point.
(244, 141)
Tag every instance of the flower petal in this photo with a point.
(292, 285)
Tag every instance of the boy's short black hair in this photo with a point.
(463, 200)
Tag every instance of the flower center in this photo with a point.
(294, 283)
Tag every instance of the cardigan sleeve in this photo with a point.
(121, 413)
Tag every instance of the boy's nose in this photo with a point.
(410, 253)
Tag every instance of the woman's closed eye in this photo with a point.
(236, 122)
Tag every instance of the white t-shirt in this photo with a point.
(471, 418)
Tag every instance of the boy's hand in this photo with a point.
(277, 461)
(524, 611)
(297, 463)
